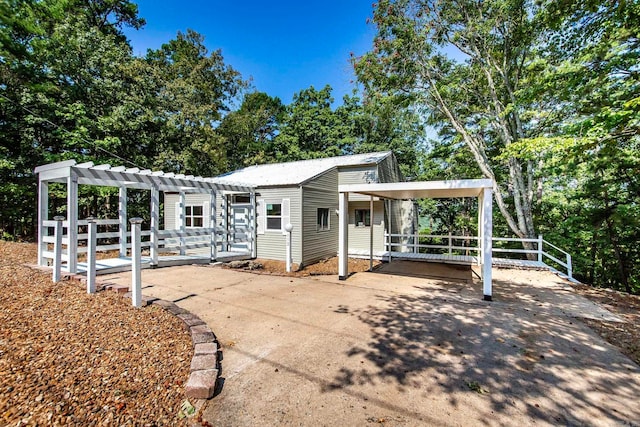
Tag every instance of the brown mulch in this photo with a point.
(625, 336)
(68, 358)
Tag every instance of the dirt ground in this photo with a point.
(325, 267)
(409, 344)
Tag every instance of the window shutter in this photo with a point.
(179, 219)
(286, 217)
(261, 215)
(206, 215)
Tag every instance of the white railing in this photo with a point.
(468, 245)
(82, 237)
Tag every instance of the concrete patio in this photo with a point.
(409, 344)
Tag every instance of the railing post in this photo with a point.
(569, 267)
(57, 248)
(450, 244)
(91, 256)
(288, 228)
(136, 258)
(540, 248)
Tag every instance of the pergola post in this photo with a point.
(182, 209)
(487, 234)
(72, 223)
(252, 225)
(225, 222)
(155, 225)
(343, 236)
(122, 220)
(43, 215)
(213, 225)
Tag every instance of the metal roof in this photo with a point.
(298, 172)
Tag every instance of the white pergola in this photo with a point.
(73, 174)
(482, 189)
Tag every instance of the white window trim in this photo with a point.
(328, 225)
(192, 216)
(268, 202)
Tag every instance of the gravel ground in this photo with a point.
(68, 358)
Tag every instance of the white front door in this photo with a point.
(240, 228)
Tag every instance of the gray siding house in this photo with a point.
(305, 194)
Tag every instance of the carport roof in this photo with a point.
(420, 189)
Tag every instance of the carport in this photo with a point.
(482, 189)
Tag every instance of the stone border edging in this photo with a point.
(205, 363)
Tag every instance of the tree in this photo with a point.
(474, 92)
(194, 90)
(311, 128)
(249, 132)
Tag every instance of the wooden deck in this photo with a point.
(117, 265)
(447, 259)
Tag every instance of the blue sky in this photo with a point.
(285, 46)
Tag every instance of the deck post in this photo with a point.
(540, 248)
(343, 236)
(569, 267)
(72, 226)
(136, 258)
(182, 209)
(371, 235)
(252, 225)
(213, 225)
(91, 256)
(43, 215)
(487, 232)
(155, 225)
(57, 249)
(450, 243)
(122, 220)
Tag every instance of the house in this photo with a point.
(304, 194)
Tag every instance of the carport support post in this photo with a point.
(371, 234)
(91, 256)
(122, 220)
(155, 221)
(343, 236)
(487, 234)
(136, 258)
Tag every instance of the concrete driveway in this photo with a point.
(384, 348)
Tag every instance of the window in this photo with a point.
(323, 219)
(241, 198)
(274, 216)
(363, 218)
(194, 216)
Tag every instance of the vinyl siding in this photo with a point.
(272, 244)
(359, 236)
(358, 175)
(321, 192)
